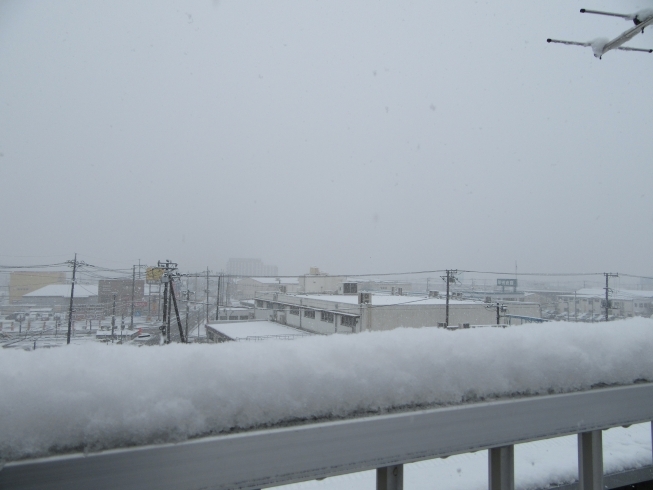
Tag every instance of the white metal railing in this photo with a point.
(263, 458)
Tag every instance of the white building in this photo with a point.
(589, 304)
(233, 313)
(247, 287)
(344, 313)
(320, 282)
(58, 295)
(391, 287)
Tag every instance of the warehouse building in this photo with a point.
(353, 313)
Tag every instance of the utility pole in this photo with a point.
(501, 308)
(131, 321)
(217, 309)
(169, 298)
(575, 308)
(165, 307)
(72, 294)
(449, 278)
(113, 317)
(607, 292)
(158, 305)
(207, 295)
(187, 306)
(174, 302)
(168, 313)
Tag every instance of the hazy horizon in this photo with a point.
(360, 137)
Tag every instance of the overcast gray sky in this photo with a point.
(360, 137)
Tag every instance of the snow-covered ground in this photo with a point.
(537, 465)
(58, 400)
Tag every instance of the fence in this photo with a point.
(264, 458)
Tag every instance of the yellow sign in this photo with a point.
(153, 275)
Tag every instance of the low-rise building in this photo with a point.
(391, 287)
(57, 296)
(589, 304)
(233, 313)
(25, 282)
(320, 282)
(247, 287)
(353, 313)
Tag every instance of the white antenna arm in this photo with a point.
(611, 14)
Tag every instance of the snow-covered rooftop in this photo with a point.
(49, 404)
(275, 280)
(264, 328)
(620, 294)
(386, 300)
(63, 291)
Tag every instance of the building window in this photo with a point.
(294, 311)
(350, 288)
(243, 317)
(309, 313)
(259, 303)
(233, 317)
(325, 316)
(268, 305)
(348, 321)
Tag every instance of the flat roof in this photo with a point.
(263, 328)
(619, 294)
(274, 280)
(387, 300)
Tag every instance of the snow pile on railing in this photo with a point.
(92, 397)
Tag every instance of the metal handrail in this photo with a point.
(264, 458)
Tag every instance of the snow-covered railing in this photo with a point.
(238, 415)
(258, 459)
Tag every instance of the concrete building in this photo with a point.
(24, 282)
(57, 297)
(320, 282)
(391, 287)
(250, 267)
(588, 304)
(233, 313)
(122, 289)
(247, 287)
(493, 296)
(346, 313)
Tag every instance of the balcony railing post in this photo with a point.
(390, 478)
(590, 460)
(501, 468)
